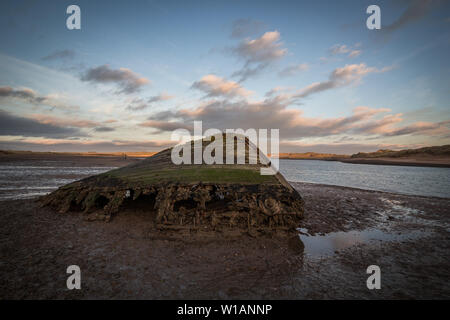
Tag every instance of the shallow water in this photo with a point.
(29, 181)
(22, 180)
(425, 181)
(322, 245)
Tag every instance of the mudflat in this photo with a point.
(126, 259)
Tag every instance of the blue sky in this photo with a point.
(138, 69)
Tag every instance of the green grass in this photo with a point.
(193, 174)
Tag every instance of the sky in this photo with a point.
(137, 70)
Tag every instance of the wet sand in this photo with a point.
(125, 259)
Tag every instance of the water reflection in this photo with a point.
(321, 245)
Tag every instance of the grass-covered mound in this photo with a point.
(189, 197)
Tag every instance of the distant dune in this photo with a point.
(142, 154)
(437, 151)
(437, 156)
(312, 156)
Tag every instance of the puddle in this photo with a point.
(322, 245)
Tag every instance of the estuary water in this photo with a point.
(31, 179)
(424, 181)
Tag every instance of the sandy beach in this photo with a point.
(126, 259)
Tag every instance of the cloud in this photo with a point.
(25, 94)
(274, 112)
(263, 49)
(141, 104)
(354, 53)
(130, 146)
(293, 70)
(64, 122)
(61, 54)
(137, 104)
(416, 10)
(34, 98)
(271, 112)
(104, 129)
(248, 72)
(275, 90)
(165, 125)
(110, 121)
(215, 86)
(339, 148)
(12, 125)
(84, 146)
(378, 126)
(127, 80)
(160, 97)
(340, 77)
(418, 128)
(246, 27)
(258, 53)
(340, 49)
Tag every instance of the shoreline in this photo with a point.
(386, 162)
(366, 190)
(115, 161)
(126, 259)
(399, 162)
(125, 158)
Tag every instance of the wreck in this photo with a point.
(189, 198)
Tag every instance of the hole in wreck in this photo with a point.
(101, 202)
(188, 204)
(143, 203)
(75, 207)
(140, 210)
(217, 204)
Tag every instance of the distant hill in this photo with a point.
(438, 156)
(437, 151)
(139, 154)
(312, 156)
